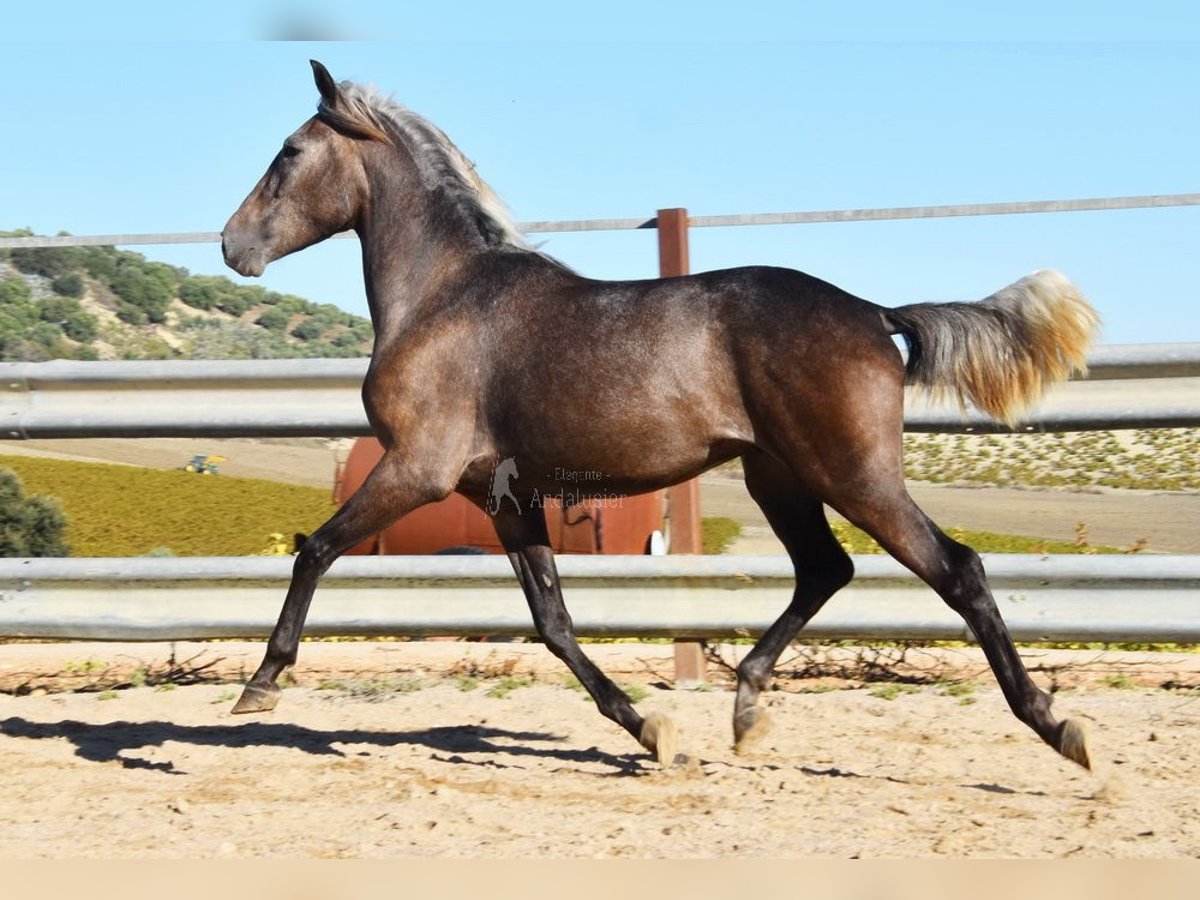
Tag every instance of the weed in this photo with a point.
(636, 692)
(370, 688)
(1119, 681)
(107, 695)
(893, 690)
(466, 683)
(224, 697)
(507, 685)
(959, 689)
(83, 667)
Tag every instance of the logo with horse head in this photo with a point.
(502, 473)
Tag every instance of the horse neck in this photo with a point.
(408, 249)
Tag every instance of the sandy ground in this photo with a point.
(1170, 522)
(436, 770)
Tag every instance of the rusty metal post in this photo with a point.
(683, 499)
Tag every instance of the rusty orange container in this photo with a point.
(458, 524)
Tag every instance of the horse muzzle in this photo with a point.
(246, 257)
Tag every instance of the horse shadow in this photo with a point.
(111, 741)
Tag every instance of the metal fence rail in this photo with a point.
(321, 397)
(1021, 207)
(1062, 598)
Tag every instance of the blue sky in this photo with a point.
(168, 136)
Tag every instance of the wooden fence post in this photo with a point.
(683, 499)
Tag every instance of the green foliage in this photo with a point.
(274, 319)
(125, 511)
(140, 292)
(308, 330)
(76, 322)
(13, 291)
(49, 262)
(1144, 459)
(69, 284)
(147, 288)
(29, 525)
(717, 533)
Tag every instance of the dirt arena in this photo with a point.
(480, 750)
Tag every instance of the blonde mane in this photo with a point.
(364, 112)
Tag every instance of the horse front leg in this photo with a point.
(388, 493)
(528, 545)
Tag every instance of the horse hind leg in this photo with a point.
(822, 568)
(956, 573)
(528, 546)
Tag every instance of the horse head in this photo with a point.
(314, 188)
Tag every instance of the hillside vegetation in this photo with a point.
(1163, 459)
(104, 303)
(116, 510)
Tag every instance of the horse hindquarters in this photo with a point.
(843, 443)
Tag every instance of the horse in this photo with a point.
(801, 380)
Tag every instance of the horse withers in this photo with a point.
(471, 379)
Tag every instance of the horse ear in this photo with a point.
(325, 83)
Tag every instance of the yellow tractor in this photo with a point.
(204, 465)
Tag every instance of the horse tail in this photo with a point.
(1002, 352)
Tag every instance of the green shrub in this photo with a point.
(274, 319)
(308, 330)
(68, 285)
(29, 526)
(75, 321)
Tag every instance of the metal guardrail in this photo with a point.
(322, 397)
(1060, 598)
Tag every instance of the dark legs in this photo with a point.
(956, 573)
(822, 567)
(857, 471)
(528, 546)
(384, 497)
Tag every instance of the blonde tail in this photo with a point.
(1002, 352)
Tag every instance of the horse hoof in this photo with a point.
(257, 699)
(1072, 743)
(750, 726)
(660, 738)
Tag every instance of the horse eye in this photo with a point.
(290, 150)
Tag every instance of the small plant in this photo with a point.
(107, 695)
(507, 685)
(893, 690)
(963, 690)
(224, 697)
(371, 688)
(1119, 681)
(466, 683)
(83, 667)
(636, 692)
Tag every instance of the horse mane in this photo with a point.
(363, 112)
